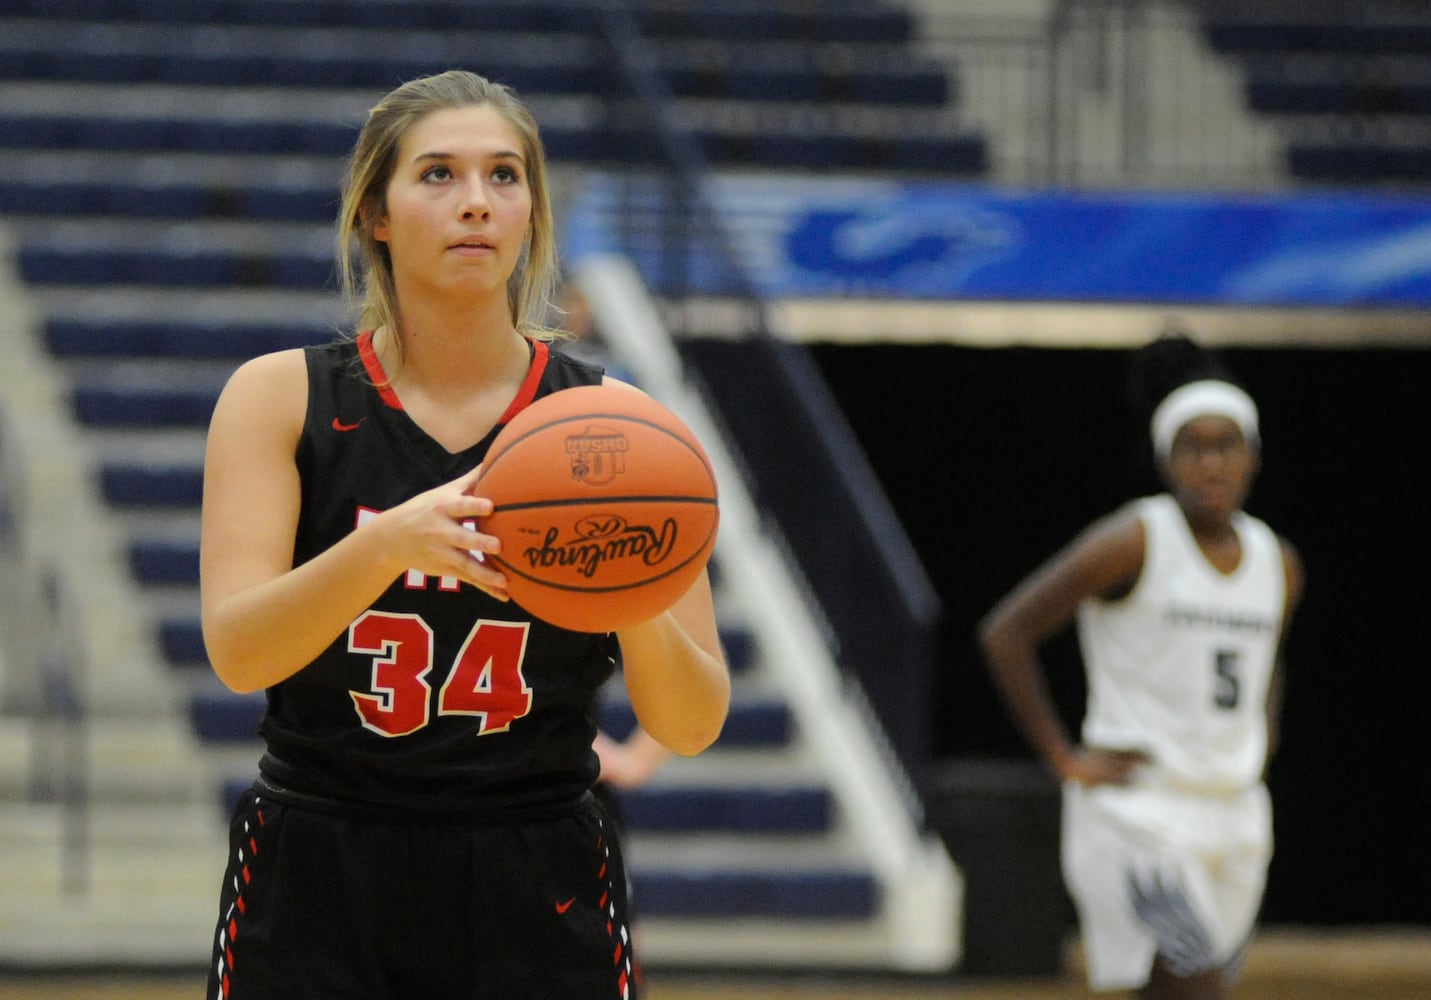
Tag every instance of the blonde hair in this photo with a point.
(531, 288)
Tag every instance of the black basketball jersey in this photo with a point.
(438, 697)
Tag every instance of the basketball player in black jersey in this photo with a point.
(422, 825)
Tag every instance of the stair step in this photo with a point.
(112, 759)
(120, 883)
(774, 943)
(69, 337)
(790, 895)
(157, 827)
(176, 307)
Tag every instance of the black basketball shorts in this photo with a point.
(318, 906)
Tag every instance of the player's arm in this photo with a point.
(675, 670)
(263, 618)
(1103, 561)
(1295, 577)
(676, 674)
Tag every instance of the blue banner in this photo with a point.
(807, 237)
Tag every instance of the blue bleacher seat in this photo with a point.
(750, 723)
(221, 716)
(197, 269)
(951, 157)
(1349, 31)
(143, 406)
(1339, 96)
(1352, 79)
(129, 484)
(182, 640)
(405, 14)
(164, 561)
(73, 338)
(736, 809)
(1365, 162)
(175, 201)
(741, 20)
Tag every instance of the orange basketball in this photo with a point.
(605, 504)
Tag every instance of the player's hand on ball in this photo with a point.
(436, 533)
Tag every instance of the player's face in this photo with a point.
(458, 208)
(1211, 466)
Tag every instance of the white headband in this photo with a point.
(1208, 398)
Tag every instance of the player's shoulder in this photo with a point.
(1109, 553)
(1122, 526)
(268, 375)
(266, 393)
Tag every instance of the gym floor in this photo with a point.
(1376, 964)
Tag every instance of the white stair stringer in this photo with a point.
(919, 925)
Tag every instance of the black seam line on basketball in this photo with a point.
(602, 501)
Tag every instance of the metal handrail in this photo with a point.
(42, 615)
(809, 473)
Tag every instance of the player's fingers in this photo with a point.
(467, 480)
(485, 578)
(1136, 758)
(464, 507)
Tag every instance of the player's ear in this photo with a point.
(373, 218)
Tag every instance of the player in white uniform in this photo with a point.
(1181, 601)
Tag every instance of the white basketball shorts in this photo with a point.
(1161, 872)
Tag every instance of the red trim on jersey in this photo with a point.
(524, 397)
(528, 391)
(374, 368)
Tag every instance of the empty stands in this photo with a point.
(171, 170)
(1350, 83)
